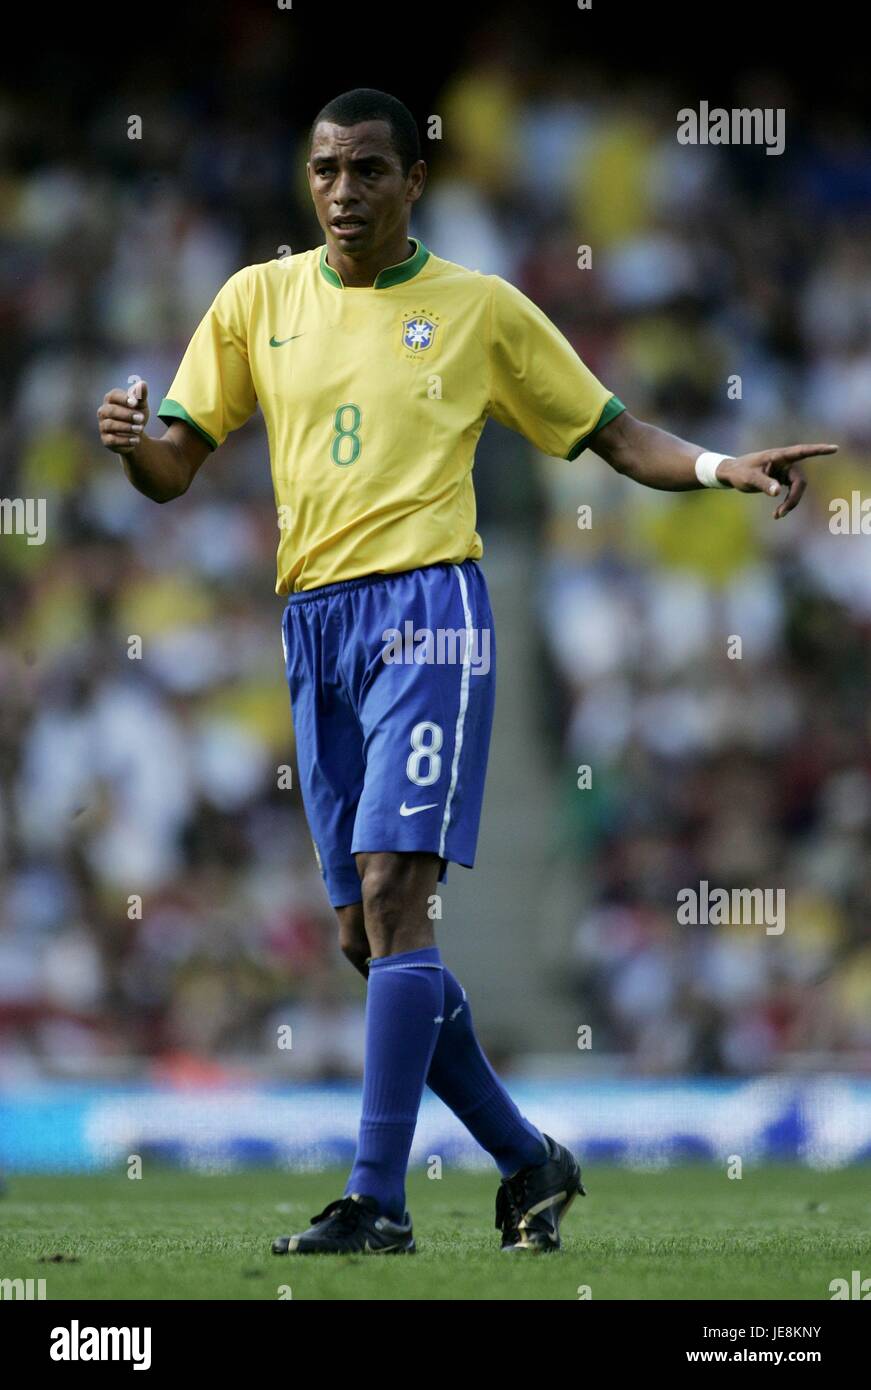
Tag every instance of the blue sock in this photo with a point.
(404, 1007)
(461, 1076)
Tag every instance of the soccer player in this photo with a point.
(376, 364)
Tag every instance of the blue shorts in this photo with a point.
(392, 681)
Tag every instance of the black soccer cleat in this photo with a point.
(350, 1226)
(530, 1206)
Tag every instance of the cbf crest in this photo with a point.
(418, 332)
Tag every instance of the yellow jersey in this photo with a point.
(374, 400)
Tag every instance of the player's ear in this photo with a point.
(416, 180)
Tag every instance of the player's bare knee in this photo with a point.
(395, 888)
(353, 942)
(384, 888)
(359, 959)
(355, 949)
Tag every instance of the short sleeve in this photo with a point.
(212, 390)
(540, 387)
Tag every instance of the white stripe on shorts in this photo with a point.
(464, 702)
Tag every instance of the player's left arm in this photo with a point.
(658, 459)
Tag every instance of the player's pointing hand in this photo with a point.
(123, 417)
(771, 469)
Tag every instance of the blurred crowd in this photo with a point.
(159, 896)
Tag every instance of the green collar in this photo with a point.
(391, 275)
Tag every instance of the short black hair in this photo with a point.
(368, 104)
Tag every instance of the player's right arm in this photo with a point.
(160, 468)
(211, 394)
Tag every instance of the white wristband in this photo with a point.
(706, 469)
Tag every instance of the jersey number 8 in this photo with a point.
(346, 445)
(426, 740)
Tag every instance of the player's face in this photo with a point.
(361, 196)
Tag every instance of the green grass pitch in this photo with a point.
(780, 1232)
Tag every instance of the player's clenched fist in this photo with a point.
(123, 417)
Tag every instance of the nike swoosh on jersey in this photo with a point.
(413, 810)
(276, 342)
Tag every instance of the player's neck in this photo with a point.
(357, 273)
